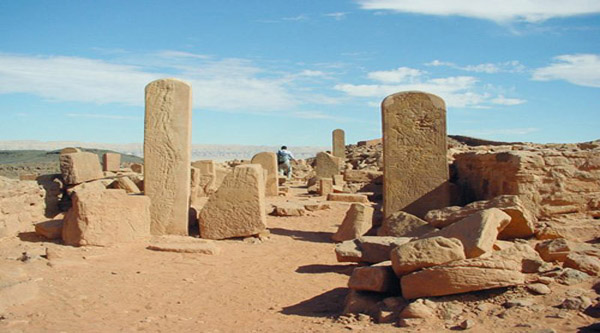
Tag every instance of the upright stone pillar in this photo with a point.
(167, 154)
(339, 143)
(327, 165)
(268, 161)
(414, 153)
(111, 162)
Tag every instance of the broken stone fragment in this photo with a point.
(378, 278)
(80, 167)
(423, 253)
(402, 224)
(358, 220)
(370, 249)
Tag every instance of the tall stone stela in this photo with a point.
(167, 155)
(414, 153)
(268, 160)
(339, 143)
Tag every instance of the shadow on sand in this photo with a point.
(327, 304)
(307, 236)
(321, 269)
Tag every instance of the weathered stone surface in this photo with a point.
(325, 186)
(372, 142)
(23, 203)
(477, 232)
(339, 143)
(237, 208)
(137, 167)
(206, 180)
(183, 244)
(268, 161)
(111, 162)
(461, 276)
(418, 309)
(361, 176)
(554, 249)
(402, 224)
(289, 209)
(379, 278)
(50, 229)
(414, 148)
(126, 184)
(370, 249)
(167, 154)
(423, 253)
(347, 197)
(80, 167)
(358, 220)
(106, 217)
(314, 206)
(522, 253)
(338, 180)
(521, 224)
(584, 263)
(327, 165)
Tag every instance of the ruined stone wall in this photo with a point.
(23, 203)
(553, 179)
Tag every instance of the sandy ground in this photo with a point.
(289, 282)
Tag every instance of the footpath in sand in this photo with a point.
(289, 281)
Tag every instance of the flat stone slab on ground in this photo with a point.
(347, 197)
(183, 244)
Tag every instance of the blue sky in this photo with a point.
(273, 72)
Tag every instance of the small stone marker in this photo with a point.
(327, 165)
(414, 150)
(268, 161)
(167, 150)
(237, 209)
(339, 143)
(325, 186)
(111, 162)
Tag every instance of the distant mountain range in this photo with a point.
(199, 152)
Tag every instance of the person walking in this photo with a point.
(284, 158)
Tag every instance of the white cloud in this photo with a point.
(513, 66)
(457, 91)
(227, 84)
(579, 69)
(338, 16)
(298, 18)
(501, 100)
(495, 10)
(181, 54)
(398, 75)
(311, 115)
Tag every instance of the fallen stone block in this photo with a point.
(460, 277)
(554, 249)
(378, 278)
(106, 217)
(111, 162)
(183, 244)
(358, 220)
(584, 263)
(477, 232)
(423, 253)
(530, 260)
(361, 176)
(125, 183)
(316, 206)
(237, 208)
(289, 210)
(50, 229)
(419, 309)
(402, 224)
(521, 224)
(347, 197)
(80, 167)
(369, 249)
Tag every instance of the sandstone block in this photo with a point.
(460, 277)
(554, 249)
(584, 263)
(137, 167)
(325, 186)
(50, 229)
(414, 150)
(183, 244)
(477, 232)
(327, 165)
(361, 176)
(237, 208)
(370, 249)
(418, 309)
(358, 220)
(402, 224)
(423, 253)
(347, 197)
(111, 162)
(106, 217)
(289, 210)
(127, 184)
(268, 161)
(338, 180)
(378, 278)
(80, 167)
(522, 219)
(314, 206)
(167, 154)
(339, 143)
